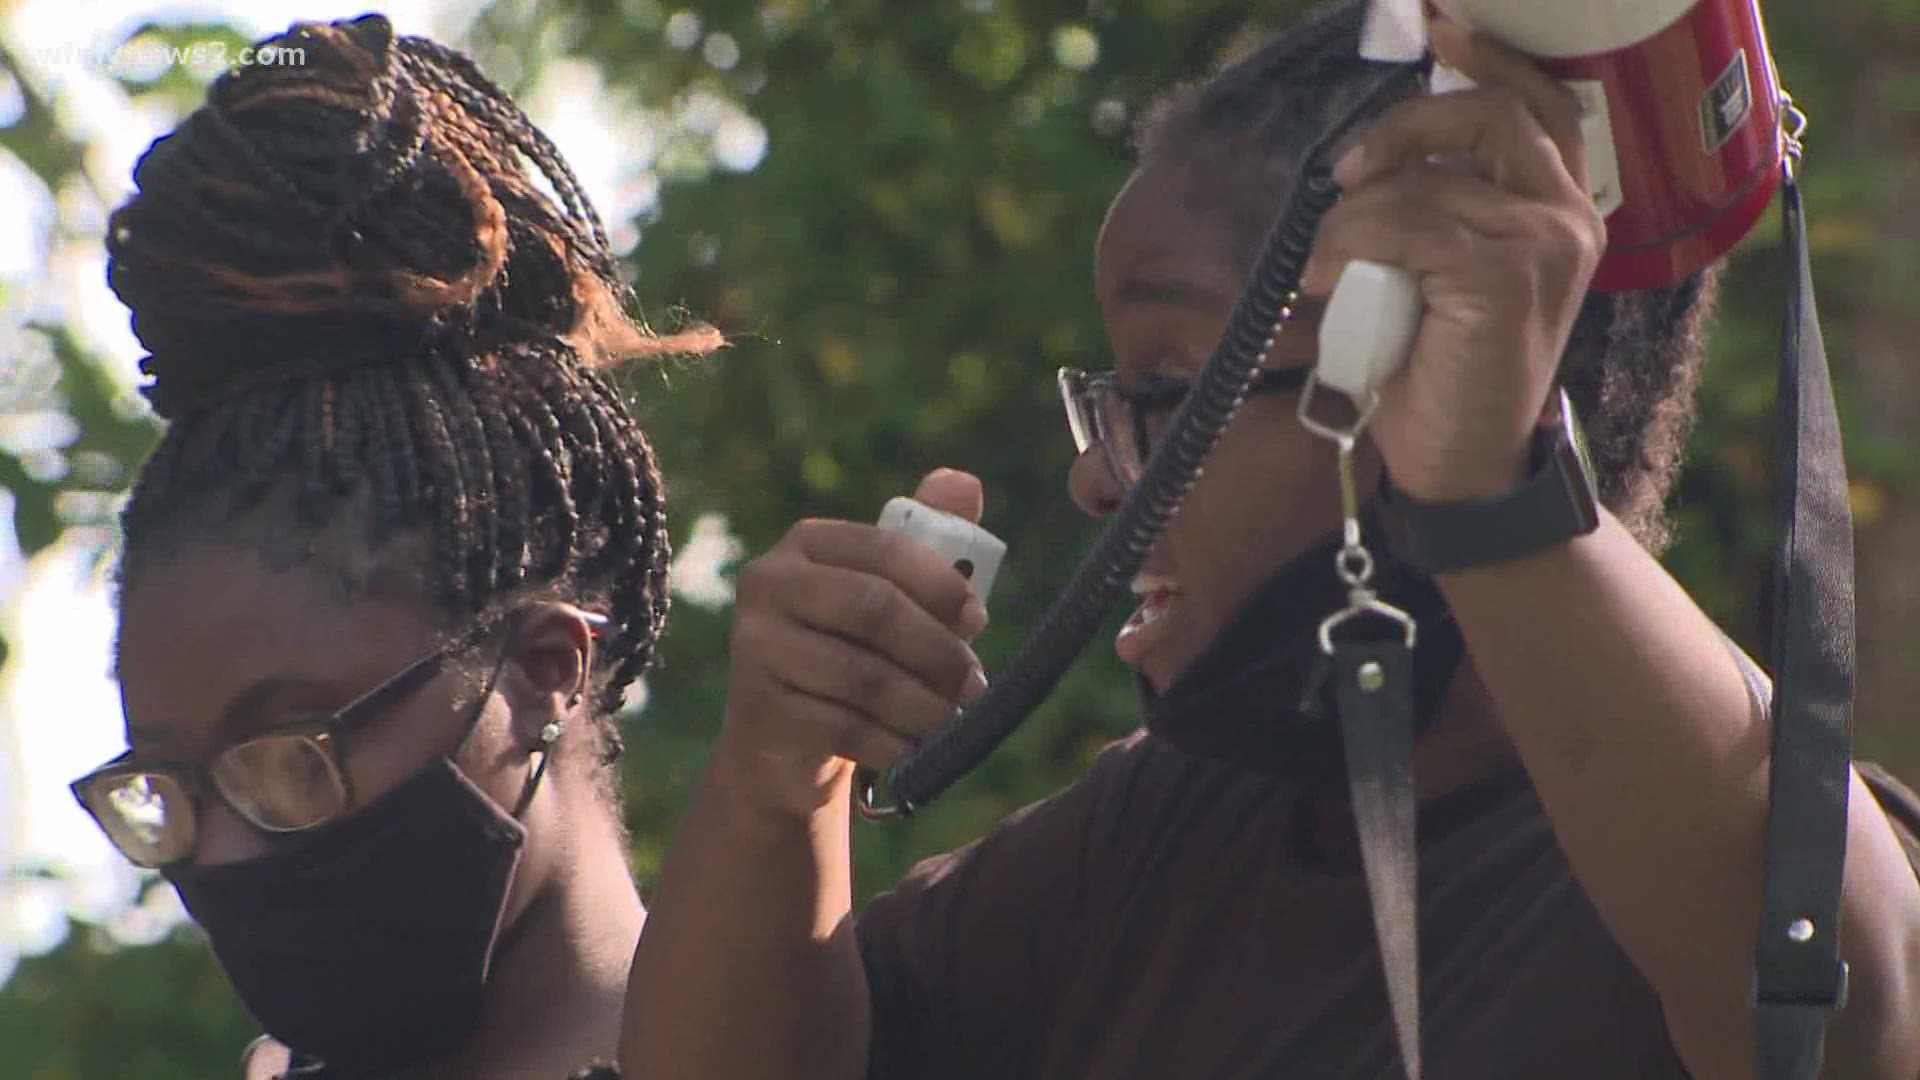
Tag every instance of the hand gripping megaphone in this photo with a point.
(1682, 111)
(1681, 116)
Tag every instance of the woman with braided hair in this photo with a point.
(391, 569)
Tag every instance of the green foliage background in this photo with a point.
(902, 273)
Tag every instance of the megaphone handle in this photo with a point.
(1369, 326)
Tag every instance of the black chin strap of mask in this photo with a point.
(1800, 979)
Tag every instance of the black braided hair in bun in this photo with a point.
(356, 293)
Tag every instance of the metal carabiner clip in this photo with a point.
(866, 798)
(1793, 130)
(1354, 563)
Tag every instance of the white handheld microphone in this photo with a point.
(974, 551)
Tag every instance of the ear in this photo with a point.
(550, 670)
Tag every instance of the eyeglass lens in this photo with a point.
(1099, 413)
(147, 815)
(280, 783)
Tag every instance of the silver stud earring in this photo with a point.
(549, 735)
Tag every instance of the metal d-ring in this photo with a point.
(1366, 604)
(866, 784)
(1344, 437)
(1793, 129)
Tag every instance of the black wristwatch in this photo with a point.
(1559, 502)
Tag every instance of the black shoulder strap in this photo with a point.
(1373, 693)
(1799, 976)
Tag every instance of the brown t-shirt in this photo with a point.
(1176, 916)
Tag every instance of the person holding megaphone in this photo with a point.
(1593, 753)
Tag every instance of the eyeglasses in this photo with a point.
(1126, 421)
(289, 780)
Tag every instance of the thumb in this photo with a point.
(953, 491)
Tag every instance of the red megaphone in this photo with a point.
(1684, 137)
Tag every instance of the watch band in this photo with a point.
(1557, 503)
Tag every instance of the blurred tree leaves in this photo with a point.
(171, 63)
(95, 1009)
(901, 272)
(35, 137)
(83, 432)
(72, 436)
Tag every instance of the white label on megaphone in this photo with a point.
(1596, 132)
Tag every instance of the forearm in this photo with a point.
(747, 966)
(1651, 759)
(849, 644)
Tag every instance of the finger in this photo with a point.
(1397, 210)
(849, 733)
(1500, 137)
(1462, 231)
(859, 678)
(1393, 221)
(1428, 190)
(873, 612)
(922, 573)
(1491, 64)
(953, 491)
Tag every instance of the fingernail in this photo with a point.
(975, 685)
(1351, 167)
(973, 617)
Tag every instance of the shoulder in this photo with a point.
(1895, 799)
(1123, 777)
(969, 953)
(1040, 873)
(1036, 863)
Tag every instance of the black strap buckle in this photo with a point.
(1827, 1003)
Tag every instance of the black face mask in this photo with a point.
(1254, 696)
(368, 944)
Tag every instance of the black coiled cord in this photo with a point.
(1104, 573)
